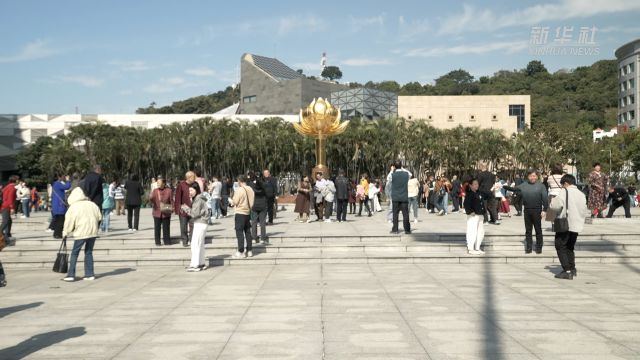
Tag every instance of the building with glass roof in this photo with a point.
(365, 103)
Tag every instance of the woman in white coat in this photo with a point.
(570, 203)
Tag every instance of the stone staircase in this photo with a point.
(358, 241)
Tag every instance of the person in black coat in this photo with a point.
(342, 195)
(619, 197)
(92, 186)
(486, 181)
(474, 207)
(133, 200)
(259, 209)
(271, 192)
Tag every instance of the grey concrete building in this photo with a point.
(267, 86)
(628, 56)
(365, 103)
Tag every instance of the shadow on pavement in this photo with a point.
(13, 309)
(116, 272)
(39, 342)
(492, 343)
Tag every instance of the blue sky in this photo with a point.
(115, 56)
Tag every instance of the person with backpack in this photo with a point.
(59, 204)
(81, 222)
(133, 200)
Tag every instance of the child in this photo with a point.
(474, 208)
(199, 213)
(81, 221)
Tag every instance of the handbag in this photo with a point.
(561, 224)
(165, 208)
(3, 242)
(61, 265)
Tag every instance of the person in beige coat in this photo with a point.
(571, 203)
(81, 222)
(243, 200)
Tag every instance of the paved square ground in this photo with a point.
(350, 311)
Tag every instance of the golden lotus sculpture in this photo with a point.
(320, 120)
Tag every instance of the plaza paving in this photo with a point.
(327, 306)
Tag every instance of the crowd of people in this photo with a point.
(82, 207)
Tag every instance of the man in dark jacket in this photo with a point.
(92, 186)
(271, 191)
(342, 195)
(400, 197)
(183, 198)
(487, 180)
(456, 188)
(517, 197)
(619, 197)
(133, 200)
(259, 209)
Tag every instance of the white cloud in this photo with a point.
(508, 47)
(134, 65)
(365, 62)
(408, 30)
(309, 23)
(37, 49)
(360, 23)
(473, 18)
(165, 85)
(126, 92)
(87, 81)
(201, 72)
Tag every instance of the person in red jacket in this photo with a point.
(183, 198)
(8, 205)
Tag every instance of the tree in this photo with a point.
(331, 73)
(535, 67)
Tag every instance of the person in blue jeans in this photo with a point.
(108, 203)
(81, 222)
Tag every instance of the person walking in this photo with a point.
(271, 193)
(133, 200)
(199, 217)
(474, 207)
(35, 199)
(242, 201)
(303, 201)
(456, 193)
(92, 185)
(374, 203)
(400, 197)
(8, 207)
(161, 209)
(81, 222)
(108, 204)
(59, 204)
(318, 199)
(182, 198)
(24, 196)
(536, 201)
(413, 189)
(259, 208)
(227, 190)
(119, 193)
(619, 197)
(328, 196)
(429, 193)
(216, 197)
(364, 194)
(499, 196)
(571, 204)
(487, 180)
(517, 197)
(598, 183)
(342, 196)
(352, 197)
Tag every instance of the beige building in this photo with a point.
(509, 113)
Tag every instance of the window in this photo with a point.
(624, 70)
(632, 100)
(472, 118)
(632, 83)
(519, 112)
(409, 117)
(632, 114)
(450, 118)
(631, 67)
(623, 86)
(623, 102)
(249, 99)
(430, 118)
(494, 117)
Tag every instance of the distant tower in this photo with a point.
(323, 61)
